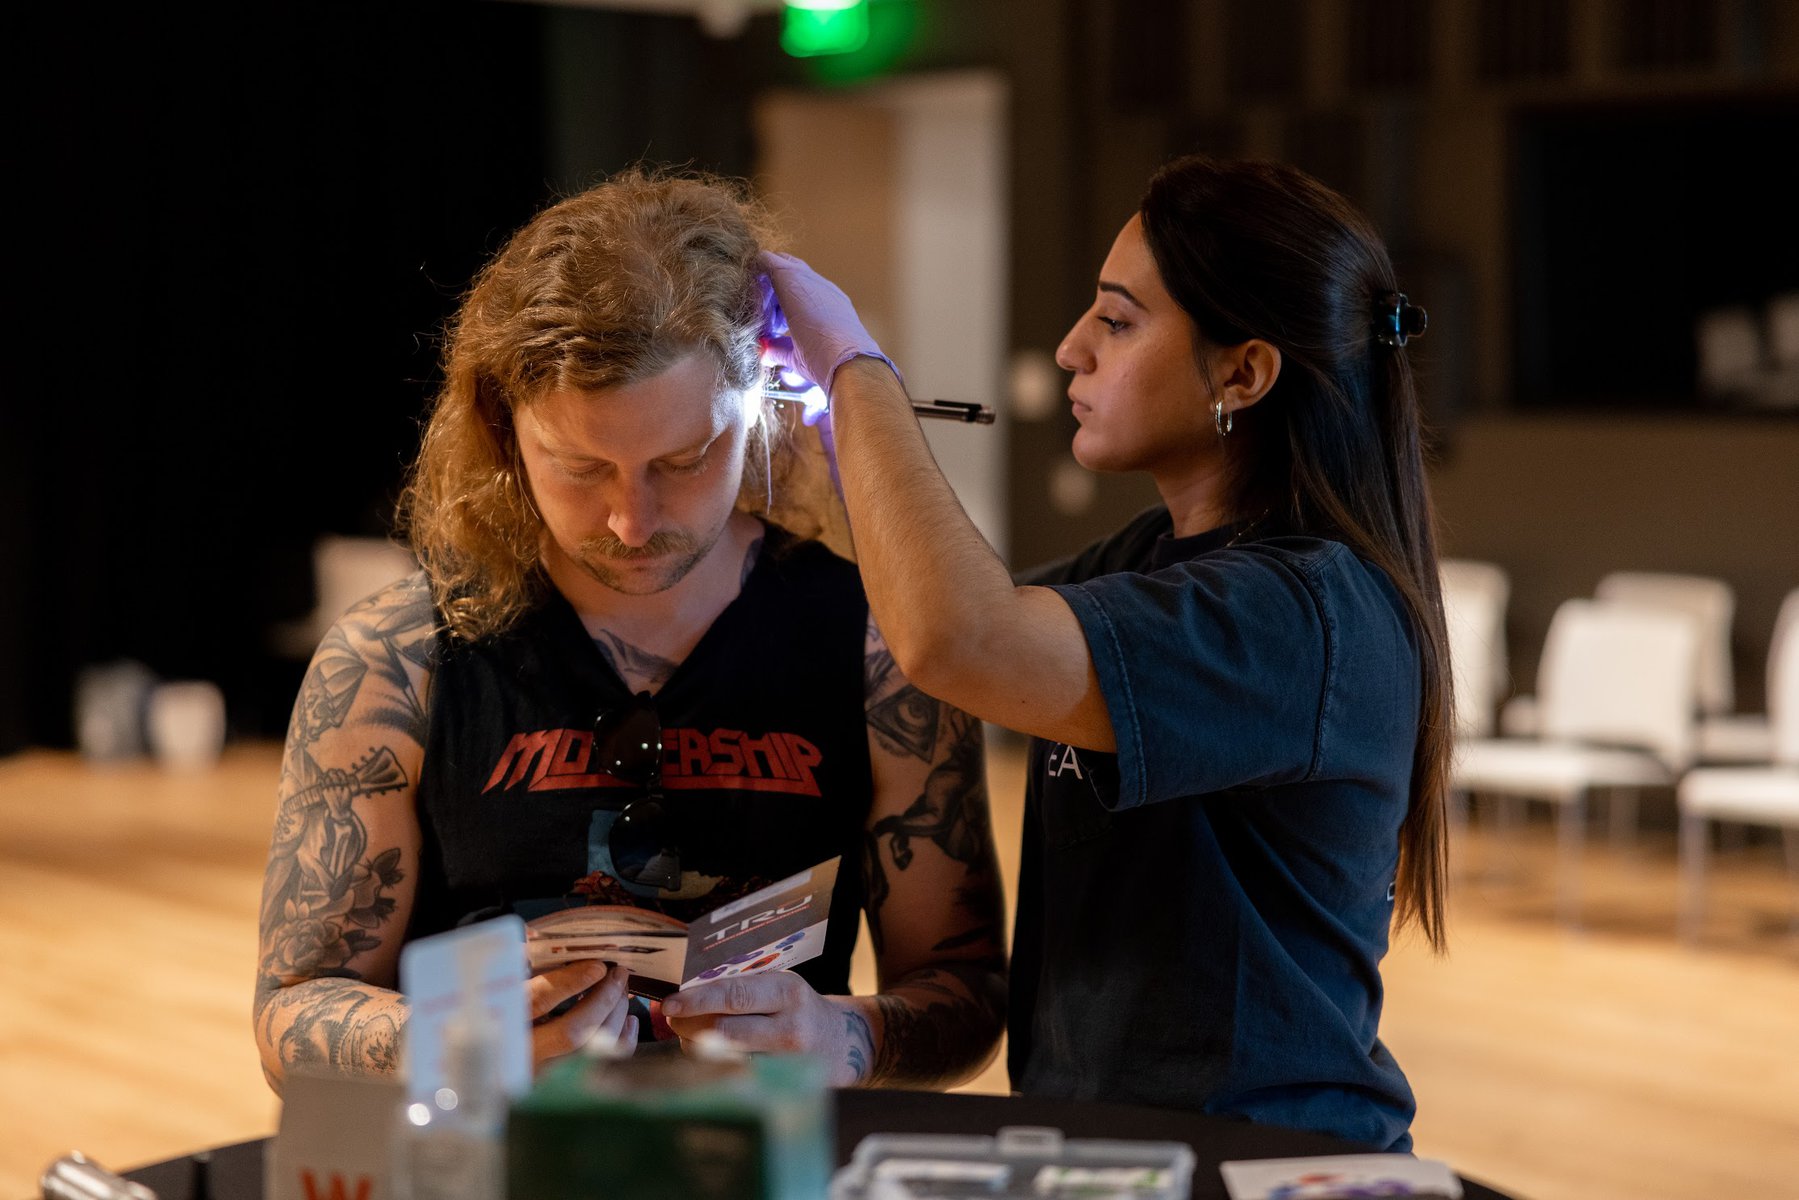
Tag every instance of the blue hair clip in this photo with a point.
(1397, 320)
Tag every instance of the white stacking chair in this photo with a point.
(1749, 737)
(1616, 689)
(1778, 386)
(1729, 345)
(345, 570)
(1518, 717)
(1765, 795)
(1710, 602)
(1783, 330)
(1475, 595)
(348, 570)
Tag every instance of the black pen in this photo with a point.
(775, 387)
(954, 410)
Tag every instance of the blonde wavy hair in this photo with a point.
(608, 287)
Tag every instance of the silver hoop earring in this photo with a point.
(1221, 420)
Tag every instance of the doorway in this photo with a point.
(897, 193)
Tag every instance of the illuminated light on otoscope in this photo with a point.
(784, 383)
(781, 382)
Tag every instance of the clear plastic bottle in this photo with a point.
(452, 1145)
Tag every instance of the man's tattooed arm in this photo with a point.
(940, 1024)
(931, 880)
(339, 885)
(334, 1024)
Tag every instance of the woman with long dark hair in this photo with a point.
(1240, 702)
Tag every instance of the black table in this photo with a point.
(236, 1171)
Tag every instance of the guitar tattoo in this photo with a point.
(320, 895)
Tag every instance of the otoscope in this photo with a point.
(781, 383)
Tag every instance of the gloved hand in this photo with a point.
(776, 1012)
(810, 325)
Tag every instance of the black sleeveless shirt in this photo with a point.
(765, 766)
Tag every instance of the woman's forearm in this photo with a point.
(932, 579)
(945, 603)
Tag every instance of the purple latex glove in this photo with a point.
(810, 325)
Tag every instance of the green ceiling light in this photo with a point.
(813, 27)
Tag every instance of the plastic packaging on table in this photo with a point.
(1017, 1161)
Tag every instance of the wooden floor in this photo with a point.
(1612, 1063)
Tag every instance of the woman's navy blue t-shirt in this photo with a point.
(1202, 915)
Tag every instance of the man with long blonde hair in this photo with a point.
(609, 519)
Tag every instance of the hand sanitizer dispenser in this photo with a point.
(451, 1144)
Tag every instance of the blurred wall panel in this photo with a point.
(828, 168)
(896, 191)
(628, 87)
(1559, 500)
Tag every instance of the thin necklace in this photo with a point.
(1245, 531)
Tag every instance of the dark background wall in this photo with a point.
(246, 227)
(1565, 184)
(1630, 220)
(243, 232)
(237, 235)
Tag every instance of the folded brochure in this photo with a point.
(1339, 1177)
(780, 926)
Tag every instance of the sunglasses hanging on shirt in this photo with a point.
(627, 743)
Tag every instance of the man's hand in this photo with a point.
(778, 1011)
(604, 1012)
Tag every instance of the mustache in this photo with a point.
(662, 542)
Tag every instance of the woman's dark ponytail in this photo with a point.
(1262, 250)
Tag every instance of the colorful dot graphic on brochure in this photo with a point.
(759, 959)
